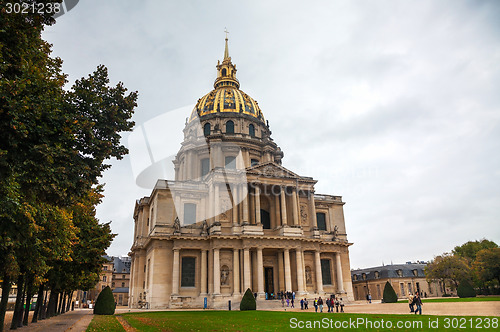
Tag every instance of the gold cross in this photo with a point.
(225, 30)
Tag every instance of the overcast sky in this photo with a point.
(393, 105)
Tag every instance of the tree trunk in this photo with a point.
(52, 305)
(5, 298)
(29, 293)
(63, 304)
(18, 305)
(43, 312)
(21, 309)
(39, 303)
(70, 297)
(61, 295)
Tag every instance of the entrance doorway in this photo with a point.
(269, 281)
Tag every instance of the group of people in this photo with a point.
(332, 303)
(415, 301)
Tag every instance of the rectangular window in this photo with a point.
(104, 278)
(189, 213)
(325, 272)
(402, 290)
(321, 220)
(205, 166)
(230, 162)
(188, 272)
(378, 292)
(409, 288)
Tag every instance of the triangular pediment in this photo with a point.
(271, 169)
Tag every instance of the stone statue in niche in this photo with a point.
(204, 228)
(224, 275)
(335, 233)
(308, 275)
(303, 213)
(177, 225)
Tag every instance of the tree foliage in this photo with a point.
(390, 295)
(470, 249)
(487, 264)
(465, 289)
(448, 268)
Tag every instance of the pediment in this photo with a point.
(272, 170)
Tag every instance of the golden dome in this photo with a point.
(226, 96)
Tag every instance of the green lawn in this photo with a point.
(279, 321)
(458, 299)
(105, 323)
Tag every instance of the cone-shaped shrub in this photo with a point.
(248, 301)
(105, 303)
(389, 294)
(465, 290)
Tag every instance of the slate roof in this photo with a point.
(120, 290)
(412, 270)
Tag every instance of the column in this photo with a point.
(283, 207)
(236, 272)
(340, 282)
(216, 202)
(257, 205)
(300, 271)
(260, 272)
(313, 209)
(203, 285)
(304, 269)
(319, 278)
(277, 210)
(175, 273)
(210, 273)
(281, 272)
(245, 204)
(216, 272)
(294, 206)
(288, 276)
(246, 268)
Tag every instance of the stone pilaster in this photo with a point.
(216, 272)
(283, 207)
(204, 271)
(257, 205)
(260, 273)
(319, 277)
(288, 274)
(340, 281)
(175, 273)
(246, 268)
(236, 272)
(300, 272)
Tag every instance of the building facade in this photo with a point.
(404, 278)
(234, 218)
(115, 274)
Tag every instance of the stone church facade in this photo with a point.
(234, 218)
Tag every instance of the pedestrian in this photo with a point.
(292, 303)
(320, 304)
(302, 304)
(287, 302)
(410, 302)
(341, 305)
(282, 301)
(418, 302)
(315, 305)
(293, 295)
(306, 304)
(369, 298)
(337, 305)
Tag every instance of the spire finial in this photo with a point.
(226, 50)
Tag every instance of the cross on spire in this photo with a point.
(225, 30)
(226, 50)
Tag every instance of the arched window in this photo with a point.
(206, 129)
(224, 72)
(251, 130)
(230, 127)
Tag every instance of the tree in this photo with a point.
(487, 264)
(248, 301)
(390, 295)
(448, 268)
(470, 249)
(105, 303)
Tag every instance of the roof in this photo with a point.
(121, 265)
(120, 290)
(412, 270)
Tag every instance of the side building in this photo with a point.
(404, 278)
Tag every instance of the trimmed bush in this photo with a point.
(248, 301)
(465, 290)
(105, 303)
(389, 294)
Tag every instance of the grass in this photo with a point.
(105, 323)
(279, 321)
(458, 299)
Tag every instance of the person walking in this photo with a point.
(341, 305)
(410, 302)
(369, 298)
(328, 304)
(282, 301)
(320, 304)
(315, 305)
(418, 302)
(287, 302)
(301, 304)
(337, 305)
(292, 301)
